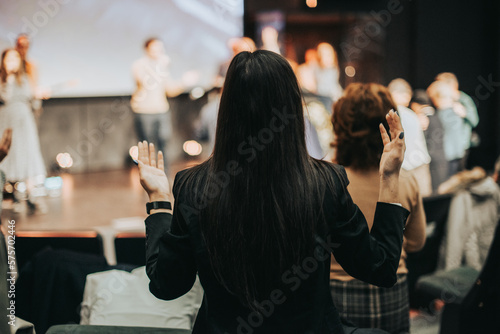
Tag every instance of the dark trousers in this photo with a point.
(155, 128)
(454, 166)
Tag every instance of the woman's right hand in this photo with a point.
(394, 146)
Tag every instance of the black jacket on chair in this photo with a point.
(175, 252)
(480, 310)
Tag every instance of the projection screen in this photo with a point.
(85, 48)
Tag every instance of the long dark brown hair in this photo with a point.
(356, 118)
(264, 191)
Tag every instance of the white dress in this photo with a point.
(24, 160)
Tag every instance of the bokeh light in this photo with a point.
(192, 147)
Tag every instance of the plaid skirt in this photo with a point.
(367, 306)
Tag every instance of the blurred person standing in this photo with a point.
(270, 39)
(306, 72)
(31, 70)
(327, 75)
(455, 129)
(25, 162)
(417, 157)
(152, 116)
(465, 107)
(237, 45)
(434, 133)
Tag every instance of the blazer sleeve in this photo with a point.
(170, 262)
(371, 256)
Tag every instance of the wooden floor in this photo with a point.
(87, 201)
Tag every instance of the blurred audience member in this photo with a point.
(455, 129)
(206, 123)
(472, 219)
(307, 71)
(356, 119)
(463, 106)
(25, 162)
(417, 157)
(327, 75)
(31, 70)
(270, 40)
(237, 45)
(433, 132)
(152, 116)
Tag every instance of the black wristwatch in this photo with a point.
(158, 205)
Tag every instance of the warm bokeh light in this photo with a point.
(311, 3)
(134, 152)
(192, 147)
(8, 188)
(64, 160)
(350, 71)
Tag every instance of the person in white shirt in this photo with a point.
(417, 157)
(152, 117)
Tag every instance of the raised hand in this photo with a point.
(5, 142)
(152, 173)
(394, 146)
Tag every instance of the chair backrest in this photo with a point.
(130, 248)
(28, 243)
(425, 261)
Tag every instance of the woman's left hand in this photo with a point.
(152, 173)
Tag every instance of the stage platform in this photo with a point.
(88, 201)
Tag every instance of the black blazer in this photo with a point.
(175, 253)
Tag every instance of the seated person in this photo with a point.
(356, 118)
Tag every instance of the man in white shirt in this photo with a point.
(149, 101)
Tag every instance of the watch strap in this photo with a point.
(158, 205)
